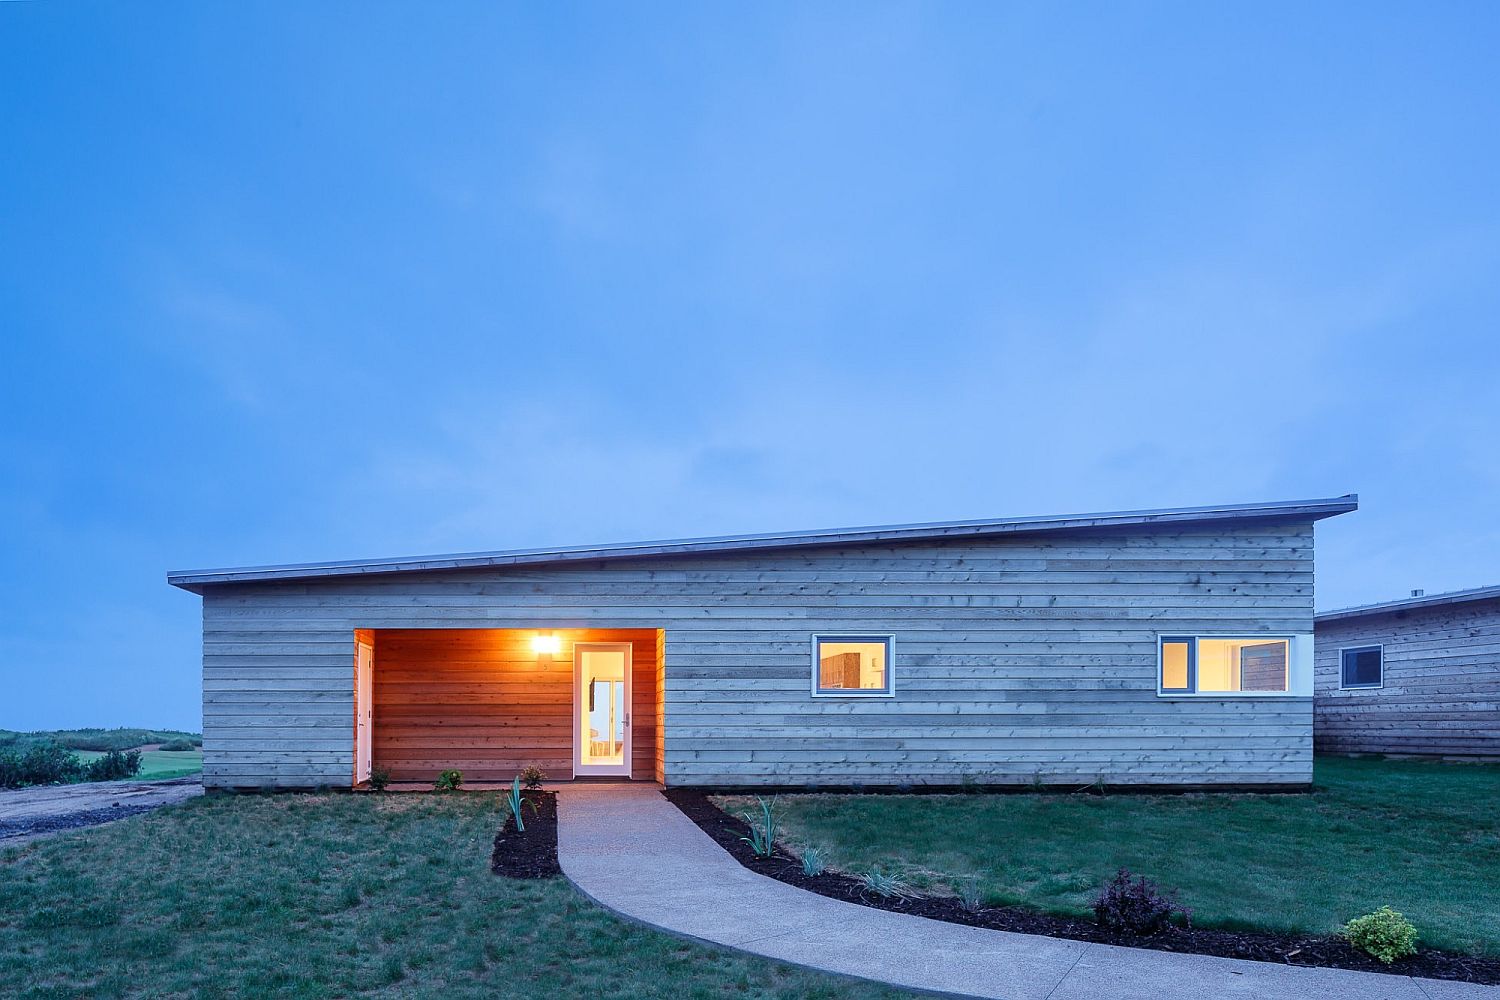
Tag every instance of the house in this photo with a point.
(1419, 675)
(1164, 647)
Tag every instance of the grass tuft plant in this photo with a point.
(515, 801)
(763, 828)
(813, 863)
(969, 894)
(1386, 934)
(877, 883)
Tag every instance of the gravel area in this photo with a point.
(26, 813)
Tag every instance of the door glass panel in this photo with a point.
(602, 705)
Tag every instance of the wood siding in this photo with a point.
(1441, 683)
(482, 701)
(1018, 657)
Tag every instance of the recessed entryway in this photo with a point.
(601, 708)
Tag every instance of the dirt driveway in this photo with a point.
(26, 813)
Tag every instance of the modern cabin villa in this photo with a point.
(1145, 648)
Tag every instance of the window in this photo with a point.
(1361, 667)
(852, 665)
(1224, 665)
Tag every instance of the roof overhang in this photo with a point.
(1285, 510)
(1411, 604)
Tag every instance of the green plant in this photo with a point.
(178, 745)
(969, 896)
(449, 781)
(380, 778)
(887, 886)
(533, 776)
(115, 764)
(48, 763)
(1385, 934)
(1138, 907)
(763, 829)
(515, 801)
(812, 862)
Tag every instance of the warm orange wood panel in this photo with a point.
(481, 701)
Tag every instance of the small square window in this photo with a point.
(1361, 667)
(852, 665)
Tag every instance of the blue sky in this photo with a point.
(293, 282)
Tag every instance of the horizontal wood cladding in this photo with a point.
(1441, 683)
(1016, 657)
(482, 701)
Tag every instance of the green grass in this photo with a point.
(334, 895)
(157, 765)
(1422, 837)
(93, 739)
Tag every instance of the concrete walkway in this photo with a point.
(632, 851)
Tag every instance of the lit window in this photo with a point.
(1197, 665)
(852, 665)
(1361, 667)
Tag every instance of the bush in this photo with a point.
(113, 766)
(178, 745)
(41, 764)
(380, 777)
(533, 776)
(449, 781)
(1138, 907)
(1385, 934)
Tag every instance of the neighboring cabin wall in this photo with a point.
(1017, 657)
(1441, 692)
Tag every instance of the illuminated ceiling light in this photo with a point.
(548, 644)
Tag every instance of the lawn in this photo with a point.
(159, 764)
(1420, 836)
(333, 895)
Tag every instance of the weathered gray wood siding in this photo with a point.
(1441, 692)
(1017, 657)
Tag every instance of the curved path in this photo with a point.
(632, 851)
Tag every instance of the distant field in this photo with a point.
(94, 739)
(159, 764)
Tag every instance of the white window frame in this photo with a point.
(1361, 648)
(1298, 665)
(889, 691)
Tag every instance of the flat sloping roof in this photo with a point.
(1410, 603)
(196, 580)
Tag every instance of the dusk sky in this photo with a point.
(282, 283)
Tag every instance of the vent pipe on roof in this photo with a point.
(1418, 593)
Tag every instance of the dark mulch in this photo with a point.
(530, 853)
(1286, 949)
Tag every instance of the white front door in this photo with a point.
(364, 710)
(601, 708)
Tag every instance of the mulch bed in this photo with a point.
(1285, 949)
(531, 853)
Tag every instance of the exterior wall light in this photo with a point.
(546, 644)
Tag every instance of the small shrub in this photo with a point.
(969, 896)
(113, 766)
(1386, 934)
(179, 745)
(449, 781)
(813, 863)
(887, 886)
(533, 776)
(763, 828)
(1138, 907)
(380, 778)
(47, 763)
